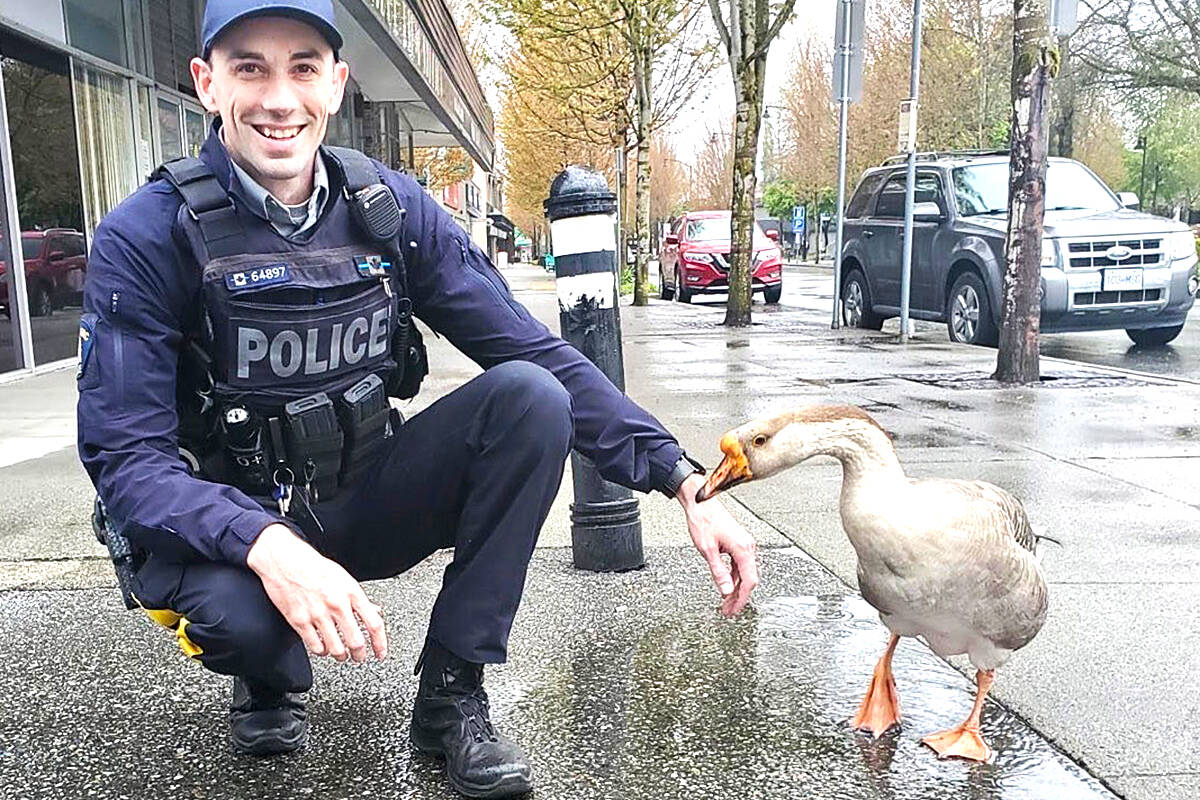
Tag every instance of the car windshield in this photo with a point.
(983, 189)
(716, 229)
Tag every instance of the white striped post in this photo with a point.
(606, 529)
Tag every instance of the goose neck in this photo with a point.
(865, 454)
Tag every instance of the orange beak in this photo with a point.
(733, 469)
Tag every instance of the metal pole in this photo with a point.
(606, 531)
(1154, 201)
(914, 88)
(843, 113)
(1142, 184)
(619, 159)
(18, 305)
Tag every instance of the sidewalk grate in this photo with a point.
(983, 380)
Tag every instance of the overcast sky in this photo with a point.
(712, 110)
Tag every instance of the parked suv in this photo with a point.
(55, 263)
(1104, 265)
(695, 259)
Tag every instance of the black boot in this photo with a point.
(265, 721)
(450, 721)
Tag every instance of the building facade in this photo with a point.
(95, 93)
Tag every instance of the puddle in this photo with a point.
(758, 707)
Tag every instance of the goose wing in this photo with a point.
(978, 558)
(1004, 511)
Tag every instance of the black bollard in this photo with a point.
(606, 530)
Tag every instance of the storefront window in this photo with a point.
(343, 124)
(98, 27)
(173, 42)
(145, 132)
(135, 26)
(103, 107)
(170, 132)
(9, 359)
(41, 125)
(196, 130)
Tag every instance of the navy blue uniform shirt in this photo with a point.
(143, 286)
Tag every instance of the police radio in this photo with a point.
(376, 211)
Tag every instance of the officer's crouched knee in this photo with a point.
(533, 396)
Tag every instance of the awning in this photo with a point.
(501, 222)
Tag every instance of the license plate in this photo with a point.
(1116, 280)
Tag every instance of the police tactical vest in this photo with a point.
(302, 340)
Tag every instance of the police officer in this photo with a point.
(253, 308)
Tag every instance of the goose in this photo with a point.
(952, 561)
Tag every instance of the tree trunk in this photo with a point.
(643, 62)
(749, 88)
(1035, 62)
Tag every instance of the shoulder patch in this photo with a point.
(371, 266)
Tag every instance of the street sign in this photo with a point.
(858, 16)
(798, 218)
(1064, 17)
(908, 126)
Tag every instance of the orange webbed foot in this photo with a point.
(879, 711)
(961, 742)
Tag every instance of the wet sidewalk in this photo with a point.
(631, 686)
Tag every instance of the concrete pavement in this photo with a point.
(629, 685)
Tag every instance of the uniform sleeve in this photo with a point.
(135, 299)
(459, 293)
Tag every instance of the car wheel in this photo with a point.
(665, 292)
(968, 313)
(41, 304)
(772, 293)
(856, 303)
(681, 292)
(1154, 337)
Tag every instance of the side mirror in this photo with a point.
(671, 239)
(927, 212)
(1129, 200)
(773, 235)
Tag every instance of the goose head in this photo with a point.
(771, 444)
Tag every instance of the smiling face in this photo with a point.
(274, 82)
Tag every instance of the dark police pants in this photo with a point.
(476, 471)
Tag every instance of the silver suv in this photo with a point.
(1104, 265)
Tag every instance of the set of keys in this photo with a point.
(283, 490)
(285, 485)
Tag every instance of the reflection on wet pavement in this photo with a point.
(758, 708)
(619, 686)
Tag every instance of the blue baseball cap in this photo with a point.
(220, 14)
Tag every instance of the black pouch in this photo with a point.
(364, 413)
(314, 443)
(408, 351)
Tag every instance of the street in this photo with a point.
(806, 287)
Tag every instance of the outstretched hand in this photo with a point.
(317, 597)
(716, 533)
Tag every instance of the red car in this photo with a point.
(55, 263)
(695, 259)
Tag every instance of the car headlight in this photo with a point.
(1179, 245)
(1049, 252)
(763, 256)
